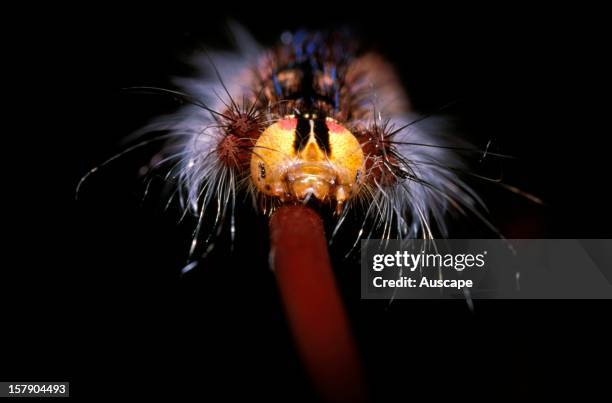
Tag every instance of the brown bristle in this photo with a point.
(242, 130)
(380, 163)
(244, 126)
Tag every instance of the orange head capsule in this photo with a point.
(301, 157)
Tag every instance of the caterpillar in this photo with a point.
(318, 119)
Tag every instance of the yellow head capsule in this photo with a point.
(299, 157)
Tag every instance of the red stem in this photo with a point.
(313, 306)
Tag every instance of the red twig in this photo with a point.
(313, 306)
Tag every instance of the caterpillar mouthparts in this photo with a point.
(315, 179)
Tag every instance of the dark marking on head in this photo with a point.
(321, 132)
(262, 170)
(302, 134)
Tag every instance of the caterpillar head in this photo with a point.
(305, 156)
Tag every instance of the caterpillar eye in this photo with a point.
(262, 170)
(307, 156)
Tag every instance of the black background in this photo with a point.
(91, 292)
